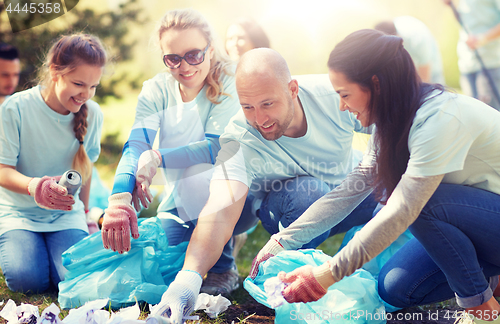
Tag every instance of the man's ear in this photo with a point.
(293, 86)
(376, 84)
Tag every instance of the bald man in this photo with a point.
(288, 147)
(10, 69)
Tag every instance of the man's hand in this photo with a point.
(179, 299)
(149, 161)
(307, 283)
(49, 195)
(119, 220)
(269, 250)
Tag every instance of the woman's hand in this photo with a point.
(149, 161)
(50, 195)
(269, 250)
(120, 220)
(307, 283)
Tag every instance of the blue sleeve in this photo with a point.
(148, 117)
(140, 140)
(194, 153)
(175, 158)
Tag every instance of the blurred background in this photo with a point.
(304, 32)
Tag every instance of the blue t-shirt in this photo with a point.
(324, 152)
(39, 141)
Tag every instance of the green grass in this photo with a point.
(254, 243)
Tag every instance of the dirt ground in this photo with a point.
(257, 314)
(252, 312)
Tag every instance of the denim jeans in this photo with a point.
(477, 85)
(454, 252)
(283, 206)
(192, 195)
(31, 261)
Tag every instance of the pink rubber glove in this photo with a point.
(302, 285)
(149, 161)
(135, 198)
(49, 195)
(269, 250)
(119, 221)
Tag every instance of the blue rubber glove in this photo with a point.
(179, 299)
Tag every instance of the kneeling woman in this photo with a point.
(435, 161)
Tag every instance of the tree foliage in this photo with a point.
(111, 26)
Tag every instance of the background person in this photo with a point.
(481, 18)
(243, 35)
(189, 106)
(47, 130)
(287, 147)
(435, 158)
(420, 43)
(10, 68)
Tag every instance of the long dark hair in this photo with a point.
(396, 94)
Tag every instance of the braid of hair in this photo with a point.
(81, 161)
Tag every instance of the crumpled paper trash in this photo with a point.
(50, 315)
(90, 313)
(274, 290)
(212, 305)
(24, 313)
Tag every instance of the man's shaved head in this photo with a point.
(268, 95)
(263, 63)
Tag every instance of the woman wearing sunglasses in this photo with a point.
(435, 161)
(188, 106)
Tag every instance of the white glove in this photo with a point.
(179, 299)
(269, 250)
(149, 161)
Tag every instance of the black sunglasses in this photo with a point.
(194, 57)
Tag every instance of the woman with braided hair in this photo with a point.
(45, 131)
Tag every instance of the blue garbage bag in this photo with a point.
(143, 273)
(354, 299)
(375, 265)
(99, 193)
